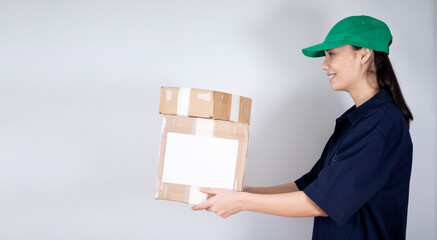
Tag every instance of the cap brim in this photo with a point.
(319, 49)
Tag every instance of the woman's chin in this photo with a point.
(333, 87)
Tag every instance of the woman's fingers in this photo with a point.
(212, 191)
(202, 206)
(222, 202)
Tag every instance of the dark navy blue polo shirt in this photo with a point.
(362, 178)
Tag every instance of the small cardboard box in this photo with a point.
(205, 104)
(198, 152)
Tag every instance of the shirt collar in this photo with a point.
(354, 114)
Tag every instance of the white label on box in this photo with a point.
(200, 160)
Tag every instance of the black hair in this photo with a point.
(387, 80)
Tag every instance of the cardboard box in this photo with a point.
(205, 104)
(198, 152)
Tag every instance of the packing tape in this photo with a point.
(235, 108)
(204, 96)
(196, 196)
(183, 101)
(168, 95)
(204, 127)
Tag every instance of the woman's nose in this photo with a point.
(325, 65)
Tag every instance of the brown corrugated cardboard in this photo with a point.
(205, 104)
(205, 130)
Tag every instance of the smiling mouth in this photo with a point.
(331, 76)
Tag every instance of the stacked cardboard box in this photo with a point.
(204, 143)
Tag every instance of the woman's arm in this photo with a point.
(293, 204)
(226, 203)
(284, 188)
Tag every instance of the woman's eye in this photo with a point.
(331, 54)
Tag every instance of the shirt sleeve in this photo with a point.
(358, 170)
(309, 177)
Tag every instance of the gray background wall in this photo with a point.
(80, 129)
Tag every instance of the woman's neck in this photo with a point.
(364, 91)
(363, 96)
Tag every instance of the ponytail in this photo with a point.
(387, 80)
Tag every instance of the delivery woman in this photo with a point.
(359, 187)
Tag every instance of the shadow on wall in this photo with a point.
(290, 136)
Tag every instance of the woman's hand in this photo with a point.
(224, 202)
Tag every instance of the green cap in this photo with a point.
(360, 31)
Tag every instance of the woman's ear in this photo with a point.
(366, 54)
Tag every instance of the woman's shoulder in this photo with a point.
(385, 118)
